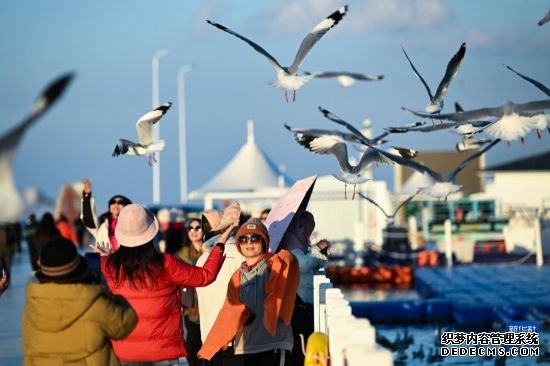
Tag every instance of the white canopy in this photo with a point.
(249, 170)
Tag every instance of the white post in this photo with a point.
(538, 242)
(156, 128)
(182, 132)
(413, 232)
(448, 243)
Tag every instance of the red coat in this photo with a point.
(159, 332)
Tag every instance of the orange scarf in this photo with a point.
(281, 290)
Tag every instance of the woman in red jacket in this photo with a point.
(151, 283)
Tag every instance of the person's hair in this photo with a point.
(140, 265)
(46, 229)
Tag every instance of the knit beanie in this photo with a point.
(254, 226)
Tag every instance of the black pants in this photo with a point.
(193, 342)
(274, 357)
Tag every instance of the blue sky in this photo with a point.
(109, 44)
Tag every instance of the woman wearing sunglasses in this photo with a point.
(253, 326)
(190, 253)
(102, 229)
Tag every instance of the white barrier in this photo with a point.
(352, 341)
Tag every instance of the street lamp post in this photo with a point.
(156, 127)
(182, 132)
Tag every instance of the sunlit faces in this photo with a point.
(194, 230)
(251, 245)
(115, 205)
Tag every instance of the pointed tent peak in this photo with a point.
(250, 131)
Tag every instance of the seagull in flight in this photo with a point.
(334, 142)
(287, 77)
(513, 120)
(345, 78)
(10, 199)
(436, 100)
(378, 140)
(545, 19)
(145, 144)
(445, 183)
(389, 216)
(465, 130)
(541, 123)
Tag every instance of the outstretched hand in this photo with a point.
(87, 185)
(227, 233)
(102, 248)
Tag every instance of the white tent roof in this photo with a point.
(249, 170)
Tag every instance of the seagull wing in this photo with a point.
(450, 73)
(334, 118)
(256, 46)
(123, 146)
(419, 76)
(45, 100)
(531, 108)
(472, 157)
(354, 75)
(144, 125)
(320, 132)
(538, 84)
(458, 107)
(412, 164)
(315, 35)
(404, 203)
(374, 203)
(406, 128)
(544, 20)
(466, 116)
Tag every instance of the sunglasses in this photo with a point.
(254, 239)
(194, 228)
(117, 201)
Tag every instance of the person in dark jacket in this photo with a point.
(151, 283)
(66, 320)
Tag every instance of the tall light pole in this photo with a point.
(182, 132)
(156, 128)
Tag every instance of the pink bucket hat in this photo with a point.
(136, 226)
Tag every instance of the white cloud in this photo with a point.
(481, 39)
(299, 16)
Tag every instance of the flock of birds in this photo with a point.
(508, 122)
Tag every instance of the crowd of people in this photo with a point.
(206, 288)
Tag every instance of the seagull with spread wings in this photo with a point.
(436, 100)
(466, 130)
(334, 142)
(513, 120)
(445, 183)
(389, 216)
(345, 78)
(541, 123)
(145, 144)
(287, 77)
(10, 200)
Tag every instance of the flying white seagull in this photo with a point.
(466, 130)
(541, 123)
(545, 19)
(287, 77)
(445, 183)
(389, 216)
(320, 142)
(145, 144)
(345, 78)
(513, 121)
(436, 100)
(11, 202)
